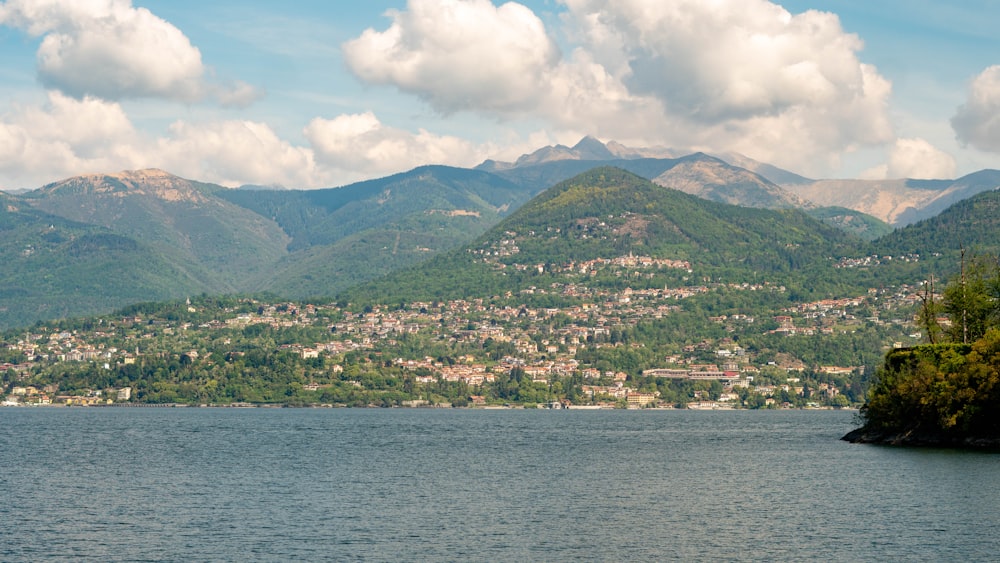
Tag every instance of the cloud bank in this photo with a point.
(361, 143)
(914, 158)
(65, 136)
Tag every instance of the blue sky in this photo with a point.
(311, 94)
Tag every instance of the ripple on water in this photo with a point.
(280, 484)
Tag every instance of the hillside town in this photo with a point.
(595, 346)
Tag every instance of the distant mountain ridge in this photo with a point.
(698, 174)
(897, 202)
(150, 182)
(343, 236)
(220, 244)
(169, 237)
(587, 149)
(713, 179)
(89, 243)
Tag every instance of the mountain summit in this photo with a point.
(587, 149)
(151, 182)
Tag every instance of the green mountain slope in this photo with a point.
(855, 222)
(608, 213)
(57, 268)
(222, 245)
(316, 217)
(163, 236)
(160, 236)
(972, 224)
(348, 235)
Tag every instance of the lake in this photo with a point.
(153, 484)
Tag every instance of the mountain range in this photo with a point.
(756, 184)
(91, 243)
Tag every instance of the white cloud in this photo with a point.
(233, 153)
(918, 159)
(65, 137)
(716, 61)
(977, 121)
(112, 50)
(239, 94)
(913, 158)
(459, 54)
(743, 75)
(360, 144)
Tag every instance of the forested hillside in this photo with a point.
(608, 212)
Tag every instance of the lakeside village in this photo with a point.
(597, 353)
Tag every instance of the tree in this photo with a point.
(972, 300)
(929, 311)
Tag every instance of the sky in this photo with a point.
(321, 93)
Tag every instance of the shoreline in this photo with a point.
(424, 407)
(917, 439)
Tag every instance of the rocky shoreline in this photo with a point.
(917, 438)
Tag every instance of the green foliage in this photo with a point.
(943, 388)
(57, 268)
(972, 300)
(969, 226)
(949, 388)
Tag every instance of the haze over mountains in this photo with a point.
(91, 243)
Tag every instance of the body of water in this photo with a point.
(117, 484)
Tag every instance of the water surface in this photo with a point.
(471, 485)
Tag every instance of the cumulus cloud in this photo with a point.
(233, 153)
(917, 158)
(239, 94)
(459, 54)
(361, 144)
(112, 50)
(914, 158)
(742, 75)
(62, 137)
(715, 61)
(977, 121)
(66, 137)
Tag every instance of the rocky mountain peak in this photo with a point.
(590, 148)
